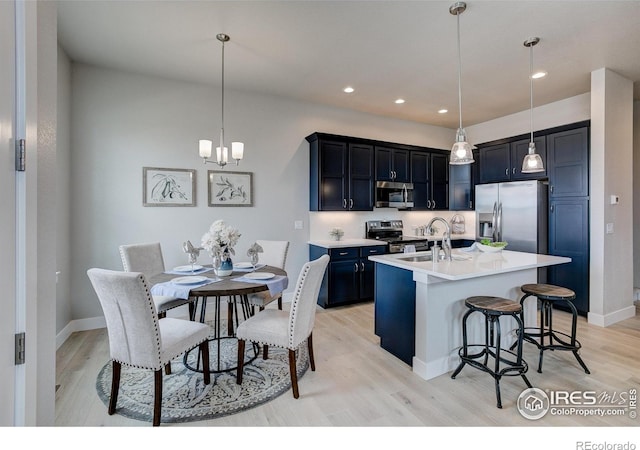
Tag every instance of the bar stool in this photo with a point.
(549, 294)
(512, 363)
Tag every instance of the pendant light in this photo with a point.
(461, 152)
(222, 152)
(532, 162)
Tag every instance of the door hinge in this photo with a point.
(20, 348)
(21, 155)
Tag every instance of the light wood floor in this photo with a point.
(358, 384)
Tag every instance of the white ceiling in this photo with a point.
(311, 50)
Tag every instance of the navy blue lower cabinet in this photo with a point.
(395, 311)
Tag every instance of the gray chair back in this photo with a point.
(274, 253)
(146, 258)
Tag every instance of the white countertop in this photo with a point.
(346, 243)
(471, 264)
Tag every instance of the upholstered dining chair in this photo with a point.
(137, 338)
(274, 327)
(274, 253)
(147, 258)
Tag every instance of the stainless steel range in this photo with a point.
(391, 231)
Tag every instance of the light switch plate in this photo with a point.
(297, 225)
(610, 228)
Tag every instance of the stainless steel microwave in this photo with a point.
(392, 194)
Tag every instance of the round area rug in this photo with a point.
(185, 397)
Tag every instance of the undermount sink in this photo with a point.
(417, 258)
(429, 257)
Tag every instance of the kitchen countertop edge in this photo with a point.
(346, 243)
(478, 265)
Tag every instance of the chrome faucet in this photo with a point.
(446, 237)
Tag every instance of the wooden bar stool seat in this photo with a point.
(544, 336)
(505, 362)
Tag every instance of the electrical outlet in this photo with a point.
(610, 228)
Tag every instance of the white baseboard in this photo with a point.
(611, 318)
(94, 323)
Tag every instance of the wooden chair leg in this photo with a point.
(162, 315)
(167, 368)
(265, 352)
(240, 361)
(204, 350)
(157, 400)
(280, 303)
(312, 363)
(293, 372)
(229, 317)
(115, 386)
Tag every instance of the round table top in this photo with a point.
(225, 287)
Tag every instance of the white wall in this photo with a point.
(63, 191)
(636, 196)
(611, 262)
(122, 122)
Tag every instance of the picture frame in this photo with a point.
(168, 187)
(230, 188)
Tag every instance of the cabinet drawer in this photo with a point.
(343, 253)
(375, 250)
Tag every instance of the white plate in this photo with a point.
(187, 268)
(260, 275)
(242, 265)
(189, 280)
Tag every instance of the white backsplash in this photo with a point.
(353, 223)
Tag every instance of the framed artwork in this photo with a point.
(168, 187)
(230, 188)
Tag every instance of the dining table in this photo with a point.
(234, 290)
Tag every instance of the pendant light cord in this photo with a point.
(531, 86)
(459, 72)
(222, 112)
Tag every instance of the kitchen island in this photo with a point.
(419, 303)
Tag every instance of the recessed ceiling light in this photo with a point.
(400, 101)
(443, 111)
(537, 75)
(348, 89)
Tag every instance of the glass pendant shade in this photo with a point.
(532, 163)
(205, 148)
(461, 152)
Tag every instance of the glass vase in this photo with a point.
(222, 264)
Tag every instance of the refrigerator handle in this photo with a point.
(499, 230)
(494, 220)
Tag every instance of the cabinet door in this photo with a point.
(384, 163)
(343, 281)
(333, 176)
(460, 187)
(361, 182)
(519, 150)
(400, 167)
(568, 155)
(495, 163)
(439, 181)
(367, 279)
(569, 236)
(420, 172)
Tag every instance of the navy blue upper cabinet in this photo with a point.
(460, 192)
(341, 174)
(392, 164)
(503, 161)
(568, 155)
(430, 178)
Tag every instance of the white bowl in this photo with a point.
(489, 248)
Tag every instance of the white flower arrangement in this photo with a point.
(336, 233)
(220, 238)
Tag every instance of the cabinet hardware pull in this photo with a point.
(344, 203)
(551, 188)
(506, 171)
(356, 266)
(343, 253)
(373, 251)
(551, 208)
(350, 203)
(429, 204)
(514, 170)
(362, 267)
(434, 204)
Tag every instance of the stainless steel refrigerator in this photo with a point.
(515, 212)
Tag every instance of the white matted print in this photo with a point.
(230, 188)
(168, 187)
